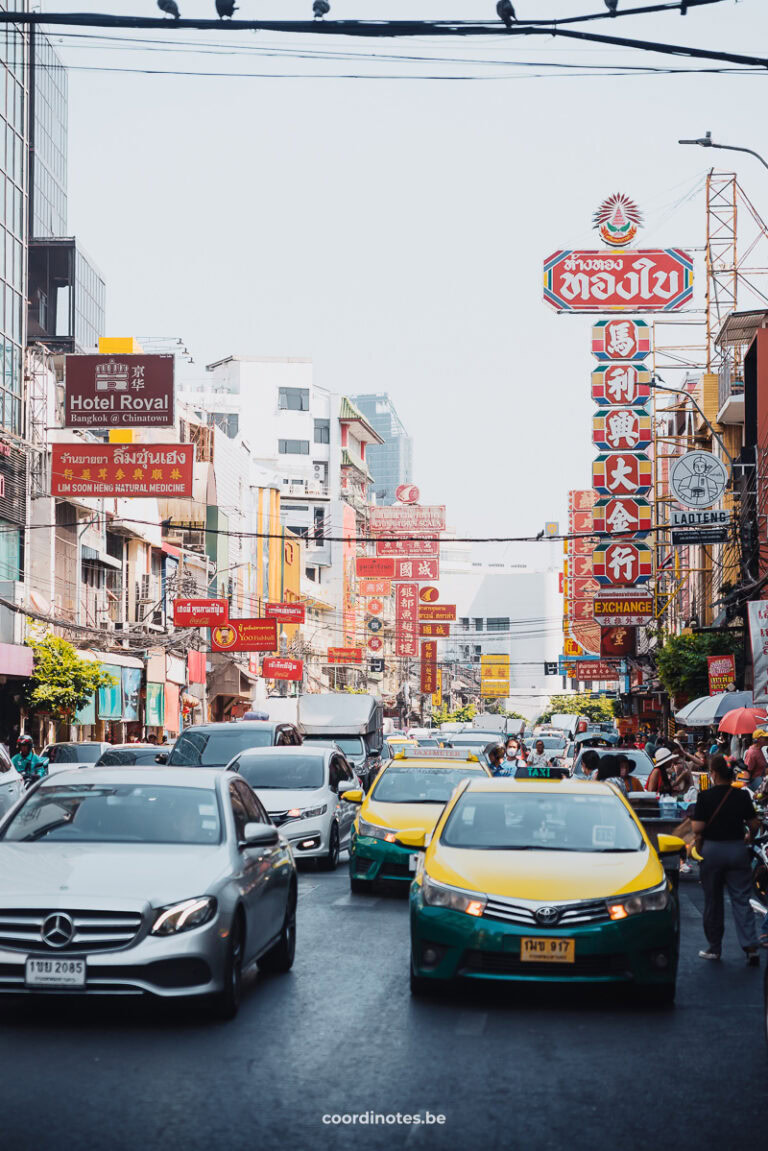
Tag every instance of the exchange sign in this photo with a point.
(118, 391)
(649, 280)
(121, 469)
(245, 635)
(621, 339)
(621, 385)
(630, 608)
(622, 514)
(622, 429)
(622, 474)
(622, 564)
(199, 612)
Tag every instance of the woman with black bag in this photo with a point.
(722, 820)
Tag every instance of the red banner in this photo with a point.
(437, 629)
(377, 587)
(245, 635)
(618, 641)
(722, 672)
(407, 518)
(276, 668)
(408, 548)
(406, 619)
(428, 667)
(437, 611)
(345, 655)
(287, 612)
(82, 469)
(417, 569)
(638, 280)
(199, 612)
(370, 568)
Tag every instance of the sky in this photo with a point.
(394, 229)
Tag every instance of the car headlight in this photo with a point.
(184, 916)
(388, 834)
(437, 895)
(306, 812)
(656, 899)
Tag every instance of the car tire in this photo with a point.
(330, 861)
(226, 1003)
(279, 958)
(360, 886)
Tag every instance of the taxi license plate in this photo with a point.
(413, 861)
(541, 949)
(55, 973)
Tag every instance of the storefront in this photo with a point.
(113, 712)
(230, 689)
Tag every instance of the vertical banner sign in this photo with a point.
(494, 676)
(428, 667)
(722, 672)
(758, 632)
(348, 590)
(437, 694)
(406, 619)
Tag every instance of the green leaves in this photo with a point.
(62, 682)
(597, 709)
(682, 661)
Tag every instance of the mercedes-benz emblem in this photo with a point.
(547, 916)
(57, 929)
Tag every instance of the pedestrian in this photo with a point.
(26, 761)
(513, 750)
(723, 818)
(608, 768)
(590, 761)
(152, 738)
(754, 757)
(720, 744)
(626, 766)
(652, 743)
(497, 758)
(659, 780)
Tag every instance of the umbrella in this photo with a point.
(707, 710)
(742, 720)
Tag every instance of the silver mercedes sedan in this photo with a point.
(130, 881)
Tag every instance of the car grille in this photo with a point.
(21, 929)
(571, 914)
(501, 963)
(396, 871)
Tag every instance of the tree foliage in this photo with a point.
(682, 661)
(62, 682)
(459, 715)
(594, 707)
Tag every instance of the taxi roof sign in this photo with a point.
(435, 753)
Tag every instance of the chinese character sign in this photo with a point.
(118, 391)
(88, 469)
(406, 619)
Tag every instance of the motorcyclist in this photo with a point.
(26, 762)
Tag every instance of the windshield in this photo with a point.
(215, 748)
(349, 744)
(420, 784)
(288, 772)
(117, 813)
(504, 822)
(129, 756)
(551, 743)
(74, 753)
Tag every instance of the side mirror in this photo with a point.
(259, 835)
(354, 795)
(345, 786)
(412, 837)
(669, 845)
(162, 757)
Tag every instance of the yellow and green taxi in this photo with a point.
(548, 880)
(402, 807)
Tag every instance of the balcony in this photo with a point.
(730, 391)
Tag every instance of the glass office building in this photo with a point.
(390, 463)
(13, 220)
(48, 109)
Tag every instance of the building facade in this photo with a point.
(391, 461)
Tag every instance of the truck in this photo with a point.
(354, 722)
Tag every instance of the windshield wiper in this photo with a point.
(613, 850)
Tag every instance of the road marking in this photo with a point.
(305, 890)
(349, 901)
(471, 1023)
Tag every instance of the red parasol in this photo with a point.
(743, 720)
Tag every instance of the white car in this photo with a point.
(11, 783)
(302, 789)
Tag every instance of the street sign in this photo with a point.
(280, 668)
(622, 474)
(621, 385)
(429, 594)
(622, 514)
(286, 612)
(685, 518)
(376, 666)
(704, 538)
(435, 629)
(407, 494)
(618, 641)
(622, 429)
(697, 479)
(91, 469)
(121, 391)
(437, 611)
(374, 624)
(621, 339)
(245, 635)
(413, 518)
(418, 569)
(345, 655)
(376, 587)
(375, 643)
(640, 280)
(550, 667)
(622, 564)
(628, 608)
(370, 568)
(199, 612)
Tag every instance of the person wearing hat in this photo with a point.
(26, 762)
(659, 780)
(754, 757)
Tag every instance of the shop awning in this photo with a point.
(708, 710)
(111, 657)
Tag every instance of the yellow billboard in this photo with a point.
(494, 676)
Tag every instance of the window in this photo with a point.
(478, 625)
(319, 525)
(238, 810)
(250, 802)
(293, 447)
(322, 431)
(498, 623)
(464, 623)
(333, 774)
(293, 399)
